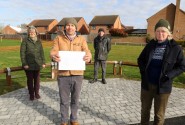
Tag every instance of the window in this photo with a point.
(46, 28)
(93, 27)
(60, 27)
(108, 26)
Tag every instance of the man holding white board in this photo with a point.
(71, 52)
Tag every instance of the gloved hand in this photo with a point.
(164, 78)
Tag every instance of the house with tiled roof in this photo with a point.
(11, 30)
(45, 26)
(174, 15)
(82, 26)
(106, 22)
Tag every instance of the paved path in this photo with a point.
(116, 103)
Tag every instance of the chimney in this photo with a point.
(177, 5)
(176, 20)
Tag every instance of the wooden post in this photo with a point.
(8, 76)
(120, 68)
(54, 70)
(114, 68)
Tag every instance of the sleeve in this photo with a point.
(108, 44)
(42, 54)
(142, 61)
(23, 53)
(94, 43)
(85, 48)
(179, 66)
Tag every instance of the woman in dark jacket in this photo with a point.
(159, 63)
(32, 58)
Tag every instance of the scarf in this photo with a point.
(34, 39)
(71, 37)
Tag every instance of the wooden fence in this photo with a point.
(54, 67)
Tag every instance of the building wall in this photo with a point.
(167, 13)
(117, 23)
(52, 25)
(42, 30)
(117, 40)
(8, 30)
(131, 39)
(95, 31)
(179, 31)
(82, 27)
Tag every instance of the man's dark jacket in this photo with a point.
(102, 46)
(173, 65)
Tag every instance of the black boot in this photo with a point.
(104, 81)
(37, 96)
(93, 81)
(31, 97)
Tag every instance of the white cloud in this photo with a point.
(132, 12)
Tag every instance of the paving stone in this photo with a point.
(116, 103)
(5, 116)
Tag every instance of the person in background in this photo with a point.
(70, 81)
(102, 46)
(33, 60)
(160, 62)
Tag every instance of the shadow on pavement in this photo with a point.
(171, 121)
(175, 121)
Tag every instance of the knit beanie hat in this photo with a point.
(70, 20)
(163, 23)
(101, 29)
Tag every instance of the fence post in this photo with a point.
(120, 68)
(8, 76)
(54, 70)
(114, 67)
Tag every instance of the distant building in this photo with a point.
(127, 27)
(82, 27)
(46, 27)
(11, 30)
(136, 32)
(106, 22)
(174, 15)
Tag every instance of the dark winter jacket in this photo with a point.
(32, 54)
(102, 46)
(173, 65)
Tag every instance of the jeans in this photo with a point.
(69, 85)
(160, 104)
(97, 64)
(33, 81)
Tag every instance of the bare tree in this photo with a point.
(1, 27)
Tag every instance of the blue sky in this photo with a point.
(132, 12)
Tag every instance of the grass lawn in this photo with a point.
(10, 57)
